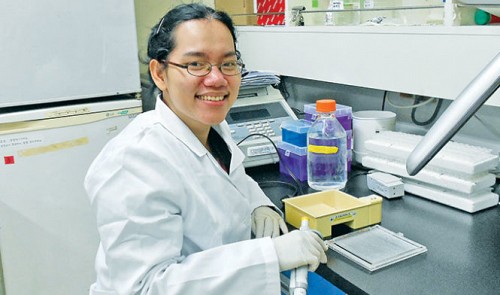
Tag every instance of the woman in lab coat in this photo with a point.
(175, 209)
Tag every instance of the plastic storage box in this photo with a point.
(349, 139)
(349, 160)
(295, 132)
(343, 114)
(293, 159)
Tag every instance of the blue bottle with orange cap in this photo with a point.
(326, 149)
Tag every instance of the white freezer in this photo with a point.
(48, 236)
(59, 50)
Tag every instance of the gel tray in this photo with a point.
(375, 247)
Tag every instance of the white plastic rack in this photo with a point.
(458, 176)
(455, 157)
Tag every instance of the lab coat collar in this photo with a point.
(175, 126)
(237, 155)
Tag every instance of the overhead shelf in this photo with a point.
(435, 61)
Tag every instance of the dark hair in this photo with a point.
(161, 41)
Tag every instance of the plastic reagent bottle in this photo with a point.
(482, 17)
(346, 17)
(326, 149)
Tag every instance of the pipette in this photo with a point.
(298, 276)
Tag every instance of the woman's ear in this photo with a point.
(157, 71)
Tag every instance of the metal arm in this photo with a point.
(455, 116)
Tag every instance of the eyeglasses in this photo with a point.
(200, 69)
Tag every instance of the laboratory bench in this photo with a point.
(463, 249)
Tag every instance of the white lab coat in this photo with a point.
(171, 220)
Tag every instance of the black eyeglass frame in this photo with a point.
(219, 66)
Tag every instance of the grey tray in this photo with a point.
(375, 247)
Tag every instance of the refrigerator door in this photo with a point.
(60, 50)
(48, 236)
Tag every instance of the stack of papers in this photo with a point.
(258, 78)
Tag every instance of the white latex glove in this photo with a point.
(299, 248)
(267, 223)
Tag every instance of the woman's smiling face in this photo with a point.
(200, 102)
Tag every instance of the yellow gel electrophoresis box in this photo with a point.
(327, 208)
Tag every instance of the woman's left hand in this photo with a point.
(267, 223)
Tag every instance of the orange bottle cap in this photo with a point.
(326, 105)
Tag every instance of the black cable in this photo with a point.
(358, 174)
(283, 89)
(349, 182)
(273, 183)
(298, 188)
(431, 119)
(298, 112)
(383, 99)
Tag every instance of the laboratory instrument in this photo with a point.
(327, 208)
(326, 149)
(298, 276)
(258, 111)
(317, 285)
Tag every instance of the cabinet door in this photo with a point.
(58, 50)
(432, 61)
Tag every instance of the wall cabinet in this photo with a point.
(434, 61)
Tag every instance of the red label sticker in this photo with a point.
(8, 160)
